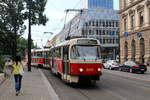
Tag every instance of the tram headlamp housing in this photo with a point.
(99, 69)
(81, 69)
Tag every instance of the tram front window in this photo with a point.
(85, 52)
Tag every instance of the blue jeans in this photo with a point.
(18, 79)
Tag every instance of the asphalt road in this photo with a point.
(114, 85)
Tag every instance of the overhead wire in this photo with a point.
(77, 4)
(65, 18)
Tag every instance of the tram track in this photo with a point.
(74, 87)
(111, 87)
(78, 90)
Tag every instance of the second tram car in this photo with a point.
(40, 57)
(77, 59)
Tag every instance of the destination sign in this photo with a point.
(86, 41)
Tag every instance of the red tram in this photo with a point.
(77, 59)
(39, 57)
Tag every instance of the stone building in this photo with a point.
(134, 30)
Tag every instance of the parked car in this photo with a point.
(111, 64)
(131, 66)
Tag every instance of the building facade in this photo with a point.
(102, 4)
(96, 23)
(135, 30)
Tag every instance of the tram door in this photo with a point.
(65, 59)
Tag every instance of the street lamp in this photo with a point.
(48, 33)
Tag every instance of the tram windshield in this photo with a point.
(86, 52)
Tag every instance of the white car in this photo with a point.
(111, 64)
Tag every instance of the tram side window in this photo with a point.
(58, 52)
(66, 52)
(51, 53)
(39, 54)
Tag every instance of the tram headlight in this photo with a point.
(99, 69)
(81, 69)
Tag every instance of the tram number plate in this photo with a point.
(89, 69)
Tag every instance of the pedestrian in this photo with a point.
(17, 72)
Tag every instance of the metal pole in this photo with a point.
(119, 46)
(29, 37)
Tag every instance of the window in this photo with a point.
(86, 24)
(141, 18)
(110, 40)
(97, 32)
(89, 23)
(113, 24)
(85, 52)
(66, 52)
(58, 52)
(103, 24)
(97, 23)
(125, 24)
(100, 32)
(90, 32)
(132, 21)
(107, 23)
(110, 24)
(93, 22)
(104, 32)
(104, 41)
(100, 40)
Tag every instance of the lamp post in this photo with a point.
(29, 37)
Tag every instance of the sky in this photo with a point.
(55, 11)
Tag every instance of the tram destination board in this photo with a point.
(87, 41)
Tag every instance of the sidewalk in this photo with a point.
(34, 87)
(148, 69)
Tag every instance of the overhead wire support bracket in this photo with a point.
(74, 10)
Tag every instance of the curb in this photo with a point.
(52, 92)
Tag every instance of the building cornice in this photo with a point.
(131, 5)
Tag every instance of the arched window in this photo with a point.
(142, 50)
(133, 50)
(126, 51)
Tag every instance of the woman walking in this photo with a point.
(17, 71)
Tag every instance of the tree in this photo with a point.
(13, 14)
(22, 46)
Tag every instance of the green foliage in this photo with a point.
(13, 14)
(1, 64)
(22, 46)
